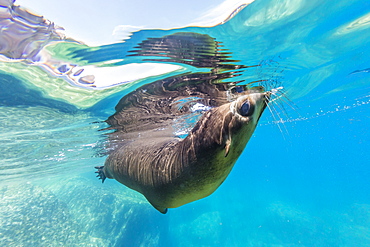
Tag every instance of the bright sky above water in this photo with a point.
(100, 22)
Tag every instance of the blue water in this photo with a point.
(303, 179)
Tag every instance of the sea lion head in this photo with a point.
(244, 114)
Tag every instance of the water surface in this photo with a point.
(301, 181)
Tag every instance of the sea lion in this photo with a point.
(145, 152)
(170, 171)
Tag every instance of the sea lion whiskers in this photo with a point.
(273, 111)
(277, 94)
(279, 98)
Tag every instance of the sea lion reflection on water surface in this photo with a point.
(170, 171)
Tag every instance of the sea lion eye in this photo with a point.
(246, 109)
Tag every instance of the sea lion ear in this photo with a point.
(227, 147)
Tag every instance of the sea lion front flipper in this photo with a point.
(160, 209)
(100, 173)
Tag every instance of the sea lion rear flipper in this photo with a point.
(100, 173)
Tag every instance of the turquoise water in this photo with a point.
(303, 179)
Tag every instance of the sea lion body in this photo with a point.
(170, 171)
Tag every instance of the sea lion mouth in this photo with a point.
(267, 96)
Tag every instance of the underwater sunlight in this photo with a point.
(165, 115)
